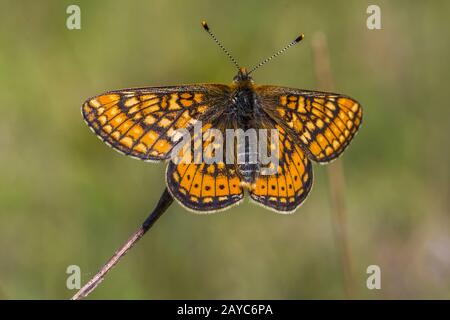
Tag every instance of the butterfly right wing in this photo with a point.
(323, 123)
(287, 188)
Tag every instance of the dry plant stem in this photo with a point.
(335, 170)
(164, 202)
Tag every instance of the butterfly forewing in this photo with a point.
(141, 122)
(322, 123)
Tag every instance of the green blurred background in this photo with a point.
(68, 199)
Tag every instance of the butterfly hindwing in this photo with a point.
(323, 123)
(204, 187)
(197, 182)
(285, 190)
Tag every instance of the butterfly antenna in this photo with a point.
(206, 27)
(297, 40)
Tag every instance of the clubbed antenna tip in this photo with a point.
(205, 25)
(298, 39)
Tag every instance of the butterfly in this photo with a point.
(311, 126)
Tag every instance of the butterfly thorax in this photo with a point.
(244, 106)
(245, 109)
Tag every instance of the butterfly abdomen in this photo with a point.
(246, 111)
(249, 169)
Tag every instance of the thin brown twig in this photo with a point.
(164, 202)
(335, 170)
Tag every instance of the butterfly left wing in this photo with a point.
(141, 122)
(322, 123)
(197, 181)
(204, 188)
(285, 190)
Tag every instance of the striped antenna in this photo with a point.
(297, 40)
(206, 27)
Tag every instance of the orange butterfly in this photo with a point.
(312, 125)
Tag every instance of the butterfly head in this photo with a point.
(242, 77)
